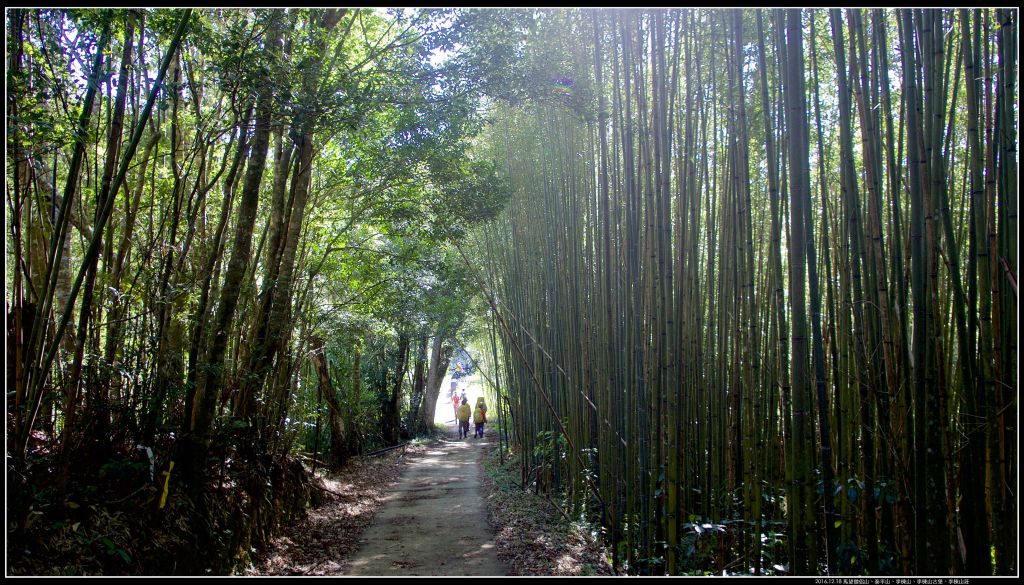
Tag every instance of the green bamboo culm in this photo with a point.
(751, 317)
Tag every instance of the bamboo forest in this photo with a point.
(737, 286)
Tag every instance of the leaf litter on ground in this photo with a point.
(318, 544)
(532, 536)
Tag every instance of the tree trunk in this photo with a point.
(339, 452)
(209, 386)
(419, 382)
(440, 357)
(37, 356)
(796, 117)
(390, 415)
(275, 315)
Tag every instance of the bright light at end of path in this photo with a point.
(473, 388)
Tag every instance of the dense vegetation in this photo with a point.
(743, 282)
(756, 285)
(229, 236)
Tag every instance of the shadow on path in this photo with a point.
(435, 520)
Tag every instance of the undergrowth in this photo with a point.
(533, 537)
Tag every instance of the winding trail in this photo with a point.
(435, 520)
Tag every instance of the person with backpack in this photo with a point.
(480, 417)
(455, 404)
(463, 416)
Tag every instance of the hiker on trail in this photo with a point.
(463, 415)
(455, 404)
(480, 417)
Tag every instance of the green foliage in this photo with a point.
(113, 549)
(490, 48)
(546, 445)
(435, 131)
(396, 182)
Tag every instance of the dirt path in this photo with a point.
(435, 520)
